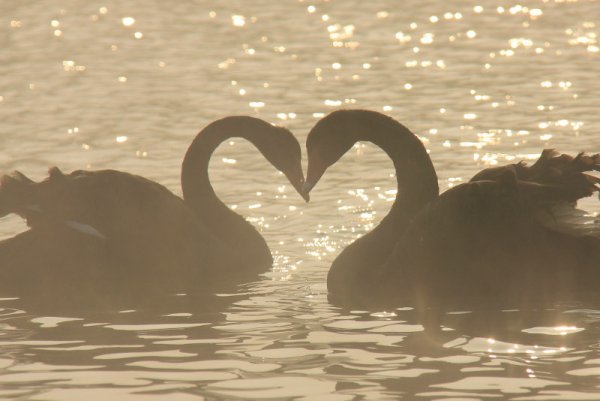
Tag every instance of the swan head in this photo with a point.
(283, 151)
(277, 144)
(328, 141)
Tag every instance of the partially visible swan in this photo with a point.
(125, 231)
(480, 243)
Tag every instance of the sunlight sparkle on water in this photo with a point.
(427, 38)
(238, 20)
(554, 331)
(444, 71)
(70, 65)
(128, 21)
(384, 314)
(402, 38)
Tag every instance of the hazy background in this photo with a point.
(127, 85)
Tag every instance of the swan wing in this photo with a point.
(552, 186)
(565, 218)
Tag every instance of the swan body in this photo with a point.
(479, 243)
(113, 229)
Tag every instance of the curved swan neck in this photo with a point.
(199, 194)
(364, 259)
(195, 183)
(415, 174)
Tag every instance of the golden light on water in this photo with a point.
(70, 65)
(128, 21)
(403, 38)
(479, 85)
(238, 20)
(564, 330)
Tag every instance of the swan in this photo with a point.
(126, 231)
(484, 242)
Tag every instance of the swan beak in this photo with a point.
(299, 187)
(304, 193)
(296, 178)
(313, 174)
(306, 187)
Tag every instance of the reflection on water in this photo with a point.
(266, 348)
(127, 85)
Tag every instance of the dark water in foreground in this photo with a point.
(87, 84)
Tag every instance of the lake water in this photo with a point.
(127, 85)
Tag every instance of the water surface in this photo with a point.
(127, 85)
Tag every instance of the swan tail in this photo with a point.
(564, 218)
(17, 195)
(28, 199)
(554, 184)
(567, 173)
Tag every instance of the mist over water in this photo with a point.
(127, 85)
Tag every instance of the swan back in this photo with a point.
(136, 220)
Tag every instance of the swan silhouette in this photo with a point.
(123, 230)
(492, 241)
